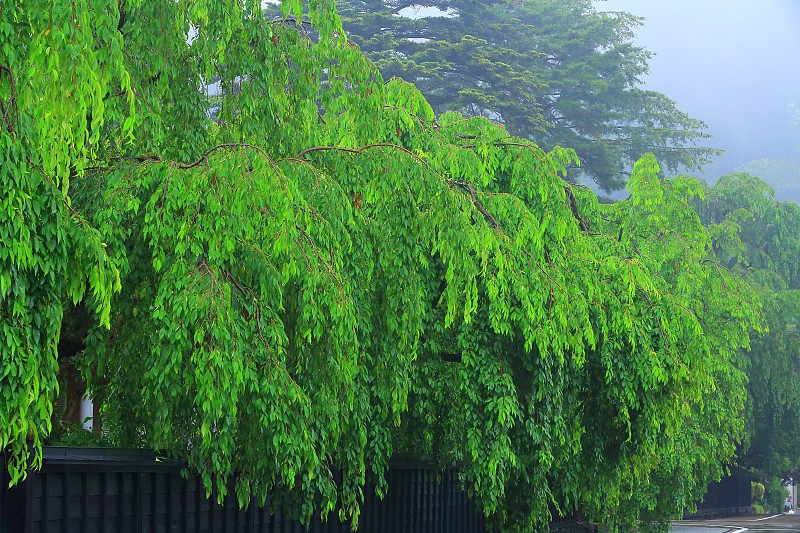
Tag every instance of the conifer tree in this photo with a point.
(558, 72)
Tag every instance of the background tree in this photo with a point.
(780, 174)
(283, 283)
(560, 73)
(757, 237)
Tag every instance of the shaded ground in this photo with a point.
(749, 524)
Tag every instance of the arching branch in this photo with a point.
(573, 206)
(204, 156)
(8, 110)
(467, 186)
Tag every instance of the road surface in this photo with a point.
(740, 524)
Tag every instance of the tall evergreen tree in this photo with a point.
(555, 71)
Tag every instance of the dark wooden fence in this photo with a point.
(726, 497)
(94, 490)
(81, 490)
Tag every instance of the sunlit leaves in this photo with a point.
(49, 254)
(59, 62)
(695, 319)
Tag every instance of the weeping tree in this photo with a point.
(328, 273)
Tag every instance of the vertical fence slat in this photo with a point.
(28, 494)
(64, 478)
(120, 479)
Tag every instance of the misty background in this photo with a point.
(733, 64)
(736, 66)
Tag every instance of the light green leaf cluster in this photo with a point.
(58, 62)
(696, 320)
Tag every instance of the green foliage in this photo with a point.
(558, 72)
(781, 174)
(275, 291)
(756, 492)
(689, 303)
(57, 63)
(76, 435)
(758, 238)
(775, 494)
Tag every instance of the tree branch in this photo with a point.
(12, 103)
(466, 185)
(355, 150)
(205, 155)
(573, 206)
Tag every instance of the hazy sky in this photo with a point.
(733, 63)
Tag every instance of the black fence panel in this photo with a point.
(82, 490)
(728, 496)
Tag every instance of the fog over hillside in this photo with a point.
(733, 65)
(736, 66)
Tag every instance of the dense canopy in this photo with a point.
(759, 239)
(328, 274)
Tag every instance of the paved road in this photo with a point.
(741, 524)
